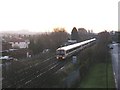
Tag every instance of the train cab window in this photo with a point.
(60, 52)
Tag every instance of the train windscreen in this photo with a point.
(60, 52)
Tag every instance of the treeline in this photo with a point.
(99, 53)
(51, 40)
(102, 48)
(81, 34)
(57, 38)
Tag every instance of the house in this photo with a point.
(19, 43)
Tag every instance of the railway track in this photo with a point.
(34, 75)
(47, 81)
(37, 75)
(19, 76)
(42, 81)
(28, 77)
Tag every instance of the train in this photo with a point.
(66, 51)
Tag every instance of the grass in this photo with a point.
(97, 77)
(111, 81)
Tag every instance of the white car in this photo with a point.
(6, 58)
(45, 50)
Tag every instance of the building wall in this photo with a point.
(20, 44)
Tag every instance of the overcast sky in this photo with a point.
(44, 15)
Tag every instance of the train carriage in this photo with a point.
(66, 51)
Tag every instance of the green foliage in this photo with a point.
(74, 34)
(58, 38)
(96, 77)
(104, 38)
(51, 40)
(94, 54)
(99, 56)
(84, 35)
(34, 46)
(101, 49)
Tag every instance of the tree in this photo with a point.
(58, 37)
(104, 38)
(59, 30)
(83, 34)
(51, 40)
(74, 34)
(102, 46)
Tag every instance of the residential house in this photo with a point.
(19, 43)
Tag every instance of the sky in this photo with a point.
(45, 15)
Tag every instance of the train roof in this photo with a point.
(75, 45)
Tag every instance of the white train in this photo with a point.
(66, 51)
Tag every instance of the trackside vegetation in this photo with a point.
(97, 77)
(93, 68)
(100, 73)
(94, 64)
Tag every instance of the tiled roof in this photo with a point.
(16, 40)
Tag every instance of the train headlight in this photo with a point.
(57, 57)
(63, 57)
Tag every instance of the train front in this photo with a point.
(60, 54)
